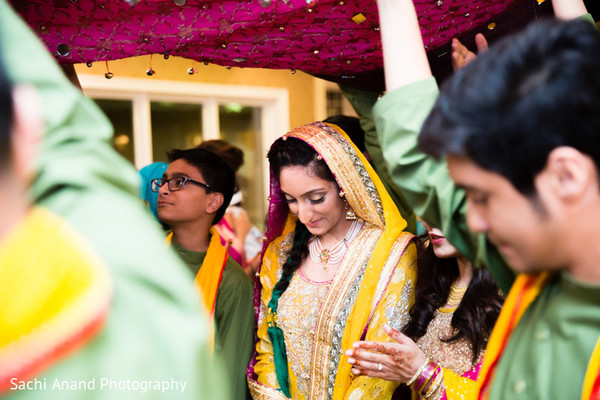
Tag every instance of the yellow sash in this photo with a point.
(591, 383)
(54, 295)
(209, 275)
(525, 289)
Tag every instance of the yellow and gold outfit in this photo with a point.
(373, 286)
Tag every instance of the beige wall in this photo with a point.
(306, 93)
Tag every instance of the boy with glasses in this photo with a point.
(193, 195)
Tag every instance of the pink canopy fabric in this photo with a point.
(322, 37)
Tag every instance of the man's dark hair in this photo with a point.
(6, 114)
(514, 104)
(216, 173)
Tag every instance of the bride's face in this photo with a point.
(314, 200)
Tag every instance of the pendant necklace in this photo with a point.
(335, 253)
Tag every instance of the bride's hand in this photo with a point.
(397, 361)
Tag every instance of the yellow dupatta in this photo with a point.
(525, 289)
(368, 198)
(54, 295)
(209, 276)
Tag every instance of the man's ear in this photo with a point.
(570, 173)
(26, 133)
(215, 202)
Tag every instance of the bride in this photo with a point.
(337, 267)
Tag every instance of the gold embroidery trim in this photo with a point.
(391, 263)
(260, 392)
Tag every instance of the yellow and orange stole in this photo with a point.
(54, 295)
(525, 289)
(209, 275)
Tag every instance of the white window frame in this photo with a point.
(274, 103)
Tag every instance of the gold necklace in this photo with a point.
(454, 298)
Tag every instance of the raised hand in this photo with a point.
(461, 55)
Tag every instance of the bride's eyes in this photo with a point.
(319, 200)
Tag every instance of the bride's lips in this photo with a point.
(314, 223)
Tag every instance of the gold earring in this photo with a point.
(350, 214)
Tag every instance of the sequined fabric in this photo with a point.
(332, 37)
(298, 311)
(456, 356)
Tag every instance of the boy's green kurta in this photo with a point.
(155, 328)
(234, 317)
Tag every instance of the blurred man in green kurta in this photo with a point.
(93, 305)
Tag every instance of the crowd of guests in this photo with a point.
(498, 298)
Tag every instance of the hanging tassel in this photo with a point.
(280, 359)
(108, 74)
(150, 71)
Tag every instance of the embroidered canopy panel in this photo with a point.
(322, 37)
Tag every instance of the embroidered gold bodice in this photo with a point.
(457, 355)
(297, 316)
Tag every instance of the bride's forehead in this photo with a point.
(300, 179)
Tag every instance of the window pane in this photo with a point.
(174, 126)
(119, 112)
(334, 103)
(240, 126)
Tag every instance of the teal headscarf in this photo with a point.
(148, 173)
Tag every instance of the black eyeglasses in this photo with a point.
(176, 183)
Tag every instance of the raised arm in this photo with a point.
(424, 182)
(569, 9)
(404, 56)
